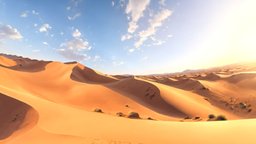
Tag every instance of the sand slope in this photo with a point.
(53, 102)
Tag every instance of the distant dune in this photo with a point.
(68, 103)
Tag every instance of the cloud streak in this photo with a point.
(75, 16)
(135, 9)
(155, 23)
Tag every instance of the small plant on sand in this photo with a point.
(98, 110)
(220, 118)
(149, 118)
(211, 116)
(196, 118)
(134, 115)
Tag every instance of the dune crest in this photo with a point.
(84, 74)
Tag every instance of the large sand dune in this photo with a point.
(52, 102)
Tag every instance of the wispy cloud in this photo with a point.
(72, 55)
(135, 9)
(45, 28)
(9, 32)
(126, 37)
(76, 44)
(24, 14)
(34, 12)
(45, 43)
(74, 49)
(155, 23)
(73, 10)
(75, 16)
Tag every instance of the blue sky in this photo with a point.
(131, 36)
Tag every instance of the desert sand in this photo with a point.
(52, 102)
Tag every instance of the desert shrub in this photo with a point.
(197, 117)
(134, 115)
(149, 118)
(98, 110)
(211, 116)
(220, 118)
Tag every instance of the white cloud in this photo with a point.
(45, 43)
(76, 33)
(34, 12)
(135, 9)
(74, 49)
(75, 16)
(155, 23)
(8, 32)
(76, 44)
(131, 50)
(24, 14)
(126, 37)
(45, 28)
(113, 3)
(72, 55)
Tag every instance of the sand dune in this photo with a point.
(4, 61)
(85, 74)
(15, 115)
(147, 94)
(53, 102)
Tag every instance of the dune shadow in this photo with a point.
(13, 115)
(145, 94)
(86, 75)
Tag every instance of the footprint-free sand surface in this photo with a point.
(52, 102)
